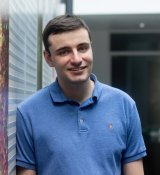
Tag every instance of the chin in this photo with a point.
(78, 80)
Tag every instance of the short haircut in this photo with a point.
(62, 24)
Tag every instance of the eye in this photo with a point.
(63, 52)
(83, 48)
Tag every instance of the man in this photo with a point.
(77, 125)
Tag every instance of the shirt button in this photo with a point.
(81, 120)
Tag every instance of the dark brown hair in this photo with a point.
(62, 24)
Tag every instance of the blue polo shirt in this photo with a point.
(58, 136)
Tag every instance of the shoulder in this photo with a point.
(116, 100)
(35, 100)
(107, 93)
(115, 93)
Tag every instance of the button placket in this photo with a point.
(81, 122)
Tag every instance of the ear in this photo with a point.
(48, 58)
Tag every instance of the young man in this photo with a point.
(77, 125)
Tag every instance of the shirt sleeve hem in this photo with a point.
(134, 158)
(25, 165)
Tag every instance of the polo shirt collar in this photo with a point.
(58, 96)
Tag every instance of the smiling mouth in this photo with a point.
(77, 68)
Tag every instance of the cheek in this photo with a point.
(89, 59)
(90, 56)
(61, 64)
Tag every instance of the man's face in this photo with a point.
(71, 55)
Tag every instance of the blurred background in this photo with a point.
(126, 46)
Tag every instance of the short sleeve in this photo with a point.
(24, 143)
(135, 147)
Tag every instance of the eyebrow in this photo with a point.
(61, 49)
(81, 44)
(67, 47)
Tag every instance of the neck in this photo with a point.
(78, 92)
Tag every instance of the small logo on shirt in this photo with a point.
(110, 126)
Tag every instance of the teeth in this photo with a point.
(76, 69)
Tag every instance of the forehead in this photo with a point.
(69, 38)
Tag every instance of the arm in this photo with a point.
(135, 146)
(24, 147)
(134, 168)
(23, 171)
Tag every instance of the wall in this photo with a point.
(21, 25)
(4, 41)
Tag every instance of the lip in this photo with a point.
(77, 68)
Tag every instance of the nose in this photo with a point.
(76, 58)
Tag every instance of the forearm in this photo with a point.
(133, 168)
(23, 171)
